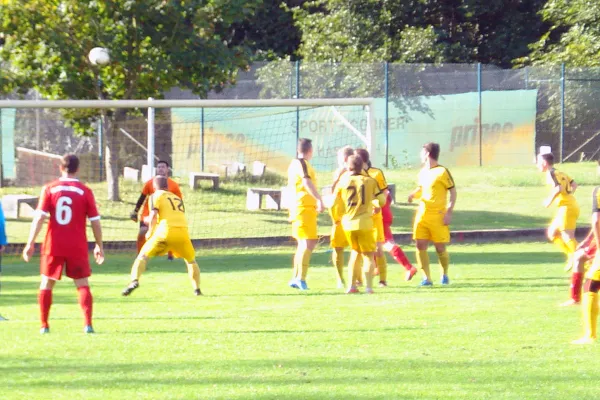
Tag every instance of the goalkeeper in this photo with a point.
(162, 169)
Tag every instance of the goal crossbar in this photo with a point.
(184, 103)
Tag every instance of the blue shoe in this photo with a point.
(43, 331)
(294, 283)
(303, 285)
(425, 282)
(445, 280)
(88, 329)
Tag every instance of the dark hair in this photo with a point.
(364, 155)
(304, 145)
(433, 149)
(347, 151)
(355, 163)
(161, 182)
(69, 163)
(163, 162)
(548, 157)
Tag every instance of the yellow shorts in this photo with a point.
(304, 224)
(431, 227)
(594, 272)
(378, 232)
(338, 236)
(361, 241)
(565, 218)
(175, 240)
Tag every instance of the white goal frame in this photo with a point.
(369, 138)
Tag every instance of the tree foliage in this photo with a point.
(154, 45)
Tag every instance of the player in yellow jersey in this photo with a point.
(304, 211)
(592, 284)
(562, 228)
(435, 212)
(336, 211)
(358, 192)
(168, 231)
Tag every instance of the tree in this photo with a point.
(154, 46)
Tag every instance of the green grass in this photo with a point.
(488, 198)
(495, 333)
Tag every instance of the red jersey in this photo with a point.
(68, 203)
(386, 211)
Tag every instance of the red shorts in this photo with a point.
(590, 251)
(387, 232)
(76, 267)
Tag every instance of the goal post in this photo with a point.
(248, 144)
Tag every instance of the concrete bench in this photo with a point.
(254, 198)
(19, 205)
(131, 174)
(196, 177)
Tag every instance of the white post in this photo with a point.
(371, 133)
(150, 153)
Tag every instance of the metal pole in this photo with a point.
(150, 153)
(526, 77)
(202, 138)
(101, 147)
(387, 112)
(562, 112)
(297, 97)
(479, 125)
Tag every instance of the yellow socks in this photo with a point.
(304, 263)
(368, 271)
(571, 246)
(423, 262)
(444, 259)
(382, 266)
(138, 268)
(352, 266)
(194, 274)
(337, 256)
(590, 314)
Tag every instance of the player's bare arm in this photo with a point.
(36, 227)
(99, 248)
(138, 206)
(414, 194)
(312, 190)
(450, 209)
(152, 217)
(574, 187)
(552, 196)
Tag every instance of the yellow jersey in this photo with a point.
(297, 171)
(337, 209)
(377, 174)
(171, 210)
(358, 192)
(433, 186)
(596, 200)
(565, 196)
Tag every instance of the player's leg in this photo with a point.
(422, 236)
(51, 271)
(444, 261)
(396, 252)
(381, 262)
(367, 247)
(307, 241)
(79, 270)
(153, 247)
(338, 242)
(590, 310)
(579, 259)
(141, 238)
(181, 245)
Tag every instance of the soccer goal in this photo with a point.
(225, 154)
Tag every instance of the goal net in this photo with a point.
(242, 146)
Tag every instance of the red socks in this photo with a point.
(85, 301)
(576, 283)
(45, 301)
(400, 257)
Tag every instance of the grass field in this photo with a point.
(495, 333)
(488, 198)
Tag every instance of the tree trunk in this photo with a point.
(111, 155)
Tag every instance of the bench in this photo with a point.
(196, 177)
(131, 174)
(254, 198)
(19, 205)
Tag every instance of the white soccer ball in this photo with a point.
(99, 56)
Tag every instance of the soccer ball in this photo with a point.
(99, 56)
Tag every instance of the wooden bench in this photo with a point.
(196, 177)
(254, 198)
(19, 205)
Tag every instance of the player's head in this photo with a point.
(343, 154)
(160, 182)
(305, 148)
(545, 161)
(364, 155)
(430, 151)
(355, 164)
(162, 168)
(69, 164)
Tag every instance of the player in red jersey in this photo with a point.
(66, 203)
